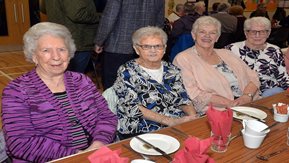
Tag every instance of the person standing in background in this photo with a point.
(180, 11)
(81, 18)
(118, 21)
(260, 11)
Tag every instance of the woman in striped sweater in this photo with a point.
(48, 112)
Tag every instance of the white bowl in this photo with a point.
(280, 117)
(252, 141)
(254, 127)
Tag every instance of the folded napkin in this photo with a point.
(195, 151)
(105, 155)
(220, 121)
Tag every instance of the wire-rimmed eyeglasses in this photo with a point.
(254, 32)
(148, 47)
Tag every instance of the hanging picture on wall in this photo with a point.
(252, 4)
(283, 3)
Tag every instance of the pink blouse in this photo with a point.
(202, 80)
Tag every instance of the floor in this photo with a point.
(13, 64)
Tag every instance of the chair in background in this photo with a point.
(3, 156)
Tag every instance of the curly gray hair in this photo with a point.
(257, 20)
(148, 31)
(38, 30)
(206, 20)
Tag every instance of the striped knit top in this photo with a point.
(36, 128)
(79, 136)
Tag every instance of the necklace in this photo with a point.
(210, 59)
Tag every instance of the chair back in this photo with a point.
(183, 42)
(3, 155)
(111, 98)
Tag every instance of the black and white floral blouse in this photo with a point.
(268, 63)
(134, 87)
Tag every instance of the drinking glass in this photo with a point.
(220, 143)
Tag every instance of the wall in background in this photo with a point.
(170, 4)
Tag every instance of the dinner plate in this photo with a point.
(164, 142)
(248, 110)
(141, 161)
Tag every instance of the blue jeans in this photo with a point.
(272, 91)
(80, 61)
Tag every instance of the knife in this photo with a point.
(155, 148)
(248, 115)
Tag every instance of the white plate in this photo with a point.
(248, 110)
(164, 142)
(141, 161)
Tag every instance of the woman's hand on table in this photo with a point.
(175, 121)
(242, 100)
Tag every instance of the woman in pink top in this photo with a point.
(215, 75)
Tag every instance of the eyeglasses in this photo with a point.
(148, 47)
(254, 32)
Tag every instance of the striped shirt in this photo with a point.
(80, 139)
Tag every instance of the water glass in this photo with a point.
(220, 143)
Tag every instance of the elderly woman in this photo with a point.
(150, 91)
(264, 58)
(214, 76)
(48, 112)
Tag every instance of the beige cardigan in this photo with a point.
(202, 80)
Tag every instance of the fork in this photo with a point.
(266, 157)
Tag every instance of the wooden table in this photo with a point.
(200, 128)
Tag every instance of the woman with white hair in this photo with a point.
(49, 112)
(151, 94)
(264, 58)
(214, 76)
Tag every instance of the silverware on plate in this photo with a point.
(238, 113)
(163, 153)
(142, 155)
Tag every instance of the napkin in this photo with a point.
(195, 151)
(220, 121)
(105, 155)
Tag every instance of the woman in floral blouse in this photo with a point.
(266, 59)
(150, 91)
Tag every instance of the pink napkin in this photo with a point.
(220, 121)
(195, 151)
(105, 155)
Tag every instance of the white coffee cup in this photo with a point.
(252, 141)
(254, 127)
(280, 117)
